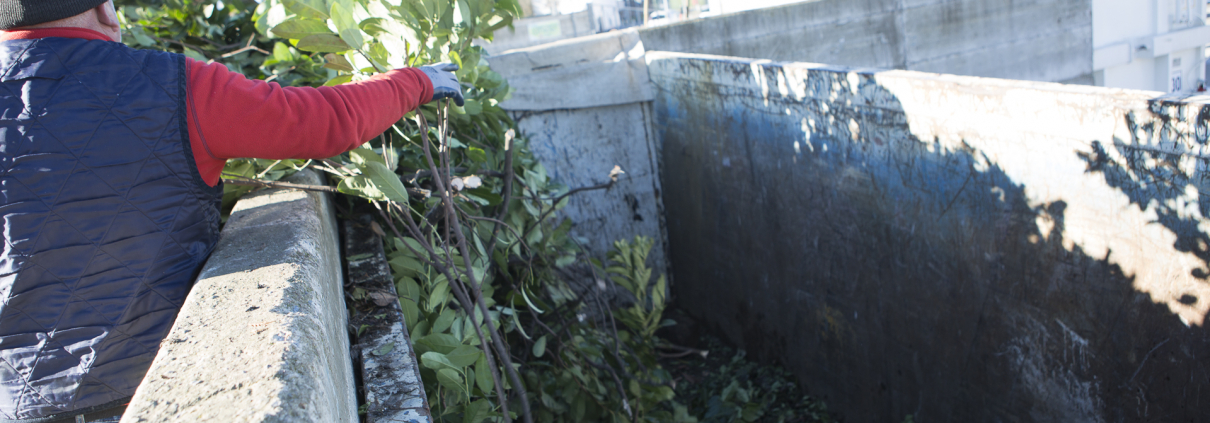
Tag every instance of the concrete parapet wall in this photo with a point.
(262, 336)
(956, 248)
(584, 106)
(1032, 40)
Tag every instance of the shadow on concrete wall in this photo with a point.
(902, 276)
(1156, 174)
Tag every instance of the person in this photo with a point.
(110, 163)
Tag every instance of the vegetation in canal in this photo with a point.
(480, 257)
(724, 386)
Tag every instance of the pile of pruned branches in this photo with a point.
(473, 237)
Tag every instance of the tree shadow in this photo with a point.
(1159, 174)
(895, 275)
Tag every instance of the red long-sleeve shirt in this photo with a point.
(230, 116)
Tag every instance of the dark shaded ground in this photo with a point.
(724, 386)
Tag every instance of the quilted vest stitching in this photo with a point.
(105, 219)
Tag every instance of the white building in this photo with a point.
(1154, 45)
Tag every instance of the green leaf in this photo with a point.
(540, 346)
(436, 361)
(378, 54)
(274, 17)
(463, 356)
(411, 312)
(657, 293)
(407, 244)
(362, 156)
(529, 302)
(297, 28)
(472, 107)
(377, 10)
(452, 380)
(384, 349)
(476, 154)
(483, 376)
(360, 186)
(477, 411)
(323, 43)
(439, 295)
(346, 25)
(195, 55)
(408, 288)
(439, 342)
(444, 321)
(419, 331)
(534, 236)
(577, 408)
(337, 62)
(405, 265)
(315, 9)
(387, 181)
(486, 195)
(338, 80)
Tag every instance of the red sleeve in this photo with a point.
(231, 116)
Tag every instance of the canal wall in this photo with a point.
(1018, 39)
(952, 248)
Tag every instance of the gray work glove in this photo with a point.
(445, 84)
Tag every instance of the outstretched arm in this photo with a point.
(231, 116)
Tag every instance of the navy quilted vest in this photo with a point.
(106, 221)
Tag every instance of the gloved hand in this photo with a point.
(445, 84)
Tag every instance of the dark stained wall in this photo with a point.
(959, 249)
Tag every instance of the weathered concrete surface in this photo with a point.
(579, 147)
(959, 249)
(546, 29)
(600, 70)
(1032, 40)
(262, 336)
(390, 376)
(580, 127)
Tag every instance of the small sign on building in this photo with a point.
(545, 30)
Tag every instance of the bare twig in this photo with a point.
(553, 205)
(617, 382)
(338, 165)
(498, 223)
(267, 169)
(508, 186)
(363, 54)
(275, 184)
(248, 48)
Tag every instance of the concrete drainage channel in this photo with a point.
(264, 334)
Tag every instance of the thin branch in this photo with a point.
(508, 186)
(617, 382)
(267, 169)
(276, 184)
(497, 340)
(248, 48)
(498, 223)
(363, 54)
(434, 261)
(553, 205)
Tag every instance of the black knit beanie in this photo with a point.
(19, 13)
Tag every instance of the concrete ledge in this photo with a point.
(390, 376)
(599, 70)
(262, 336)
